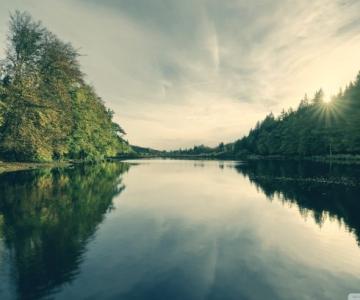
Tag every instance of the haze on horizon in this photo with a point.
(179, 73)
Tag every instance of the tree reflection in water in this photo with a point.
(318, 189)
(46, 219)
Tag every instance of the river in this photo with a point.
(178, 229)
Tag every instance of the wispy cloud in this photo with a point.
(202, 71)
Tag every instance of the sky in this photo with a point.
(184, 72)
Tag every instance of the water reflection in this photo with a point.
(46, 219)
(180, 230)
(320, 190)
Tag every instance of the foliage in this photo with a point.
(315, 128)
(48, 112)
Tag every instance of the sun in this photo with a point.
(327, 100)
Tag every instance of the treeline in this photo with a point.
(315, 128)
(48, 111)
(202, 151)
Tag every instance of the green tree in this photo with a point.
(48, 111)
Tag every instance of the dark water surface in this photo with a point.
(167, 229)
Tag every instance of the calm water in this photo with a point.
(170, 230)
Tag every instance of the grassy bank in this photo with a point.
(338, 158)
(20, 166)
(23, 166)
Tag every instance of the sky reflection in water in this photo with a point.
(164, 229)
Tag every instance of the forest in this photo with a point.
(47, 110)
(316, 128)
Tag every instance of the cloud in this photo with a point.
(179, 73)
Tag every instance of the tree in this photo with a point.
(49, 110)
(318, 97)
(315, 128)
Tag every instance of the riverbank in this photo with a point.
(337, 159)
(22, 166)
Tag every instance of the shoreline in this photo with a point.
(6, 167)
(336, 159)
